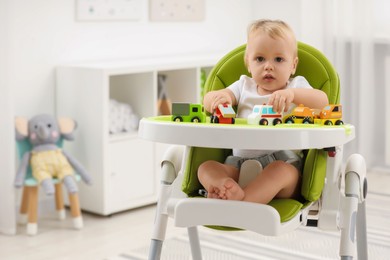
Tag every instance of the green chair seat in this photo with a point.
(287, 208)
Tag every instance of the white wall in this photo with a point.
(44, 34)
(7, 169)
(381, 18)
(304, 16)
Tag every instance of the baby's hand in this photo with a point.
(215, 98)
(280, 100)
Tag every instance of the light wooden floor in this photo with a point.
(102, 237)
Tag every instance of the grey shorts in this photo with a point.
(284, 155)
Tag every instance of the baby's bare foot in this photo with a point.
(232, 191)
(213, 193)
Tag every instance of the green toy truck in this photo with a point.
(187, 112)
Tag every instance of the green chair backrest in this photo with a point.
(320, 73)
(313, 65)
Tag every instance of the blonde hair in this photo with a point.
(275, 29)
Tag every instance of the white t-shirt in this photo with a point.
(245, 92)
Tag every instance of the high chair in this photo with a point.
(29, 205)
(332, 198)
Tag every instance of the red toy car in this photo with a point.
(223, 114)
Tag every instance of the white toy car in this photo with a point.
(264, 115)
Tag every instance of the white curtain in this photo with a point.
(349, 44)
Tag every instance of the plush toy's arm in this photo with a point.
(78, 168)
(22, 170)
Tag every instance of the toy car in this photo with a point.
(264, 115)
(301, 115)
(187, 112)
(329, 115)
(223, 114)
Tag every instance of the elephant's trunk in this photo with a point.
(43, 133)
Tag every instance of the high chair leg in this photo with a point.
(168, 175)
(349, 218)
(160, 224)
(353, 214)
(59, 201)
(32, 226)
(194, 243)
(361, 232)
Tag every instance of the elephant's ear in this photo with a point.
(67, 126)
(21, 128)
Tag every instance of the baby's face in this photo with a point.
(270, 61)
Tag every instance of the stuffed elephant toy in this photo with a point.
(46, 159)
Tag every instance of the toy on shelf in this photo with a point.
(45, 163)
(122, 118)
(264, 115)
(163, 101)
(223, 114)
(329, 115)
(187, 112)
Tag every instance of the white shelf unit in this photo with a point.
(124, 167)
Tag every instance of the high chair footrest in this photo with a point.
(244, 215)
